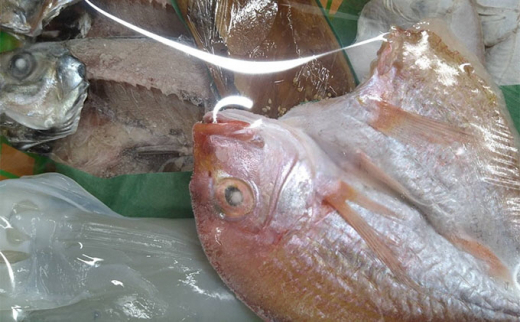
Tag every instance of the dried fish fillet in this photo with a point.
(142, 105)
(130, 130)
(144, 62)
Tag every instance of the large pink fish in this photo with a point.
(399, 201)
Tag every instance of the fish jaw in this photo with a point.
(27, 17)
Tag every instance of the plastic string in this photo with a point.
(231, 64)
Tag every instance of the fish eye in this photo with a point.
(22, 65)
(234, 198)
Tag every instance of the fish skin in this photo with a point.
(130, 130)
(293, 257)
(42, 99)
(285, 30)
(379, 15)
(157, 16)
(28, 17)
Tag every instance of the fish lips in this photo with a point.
(29, 17)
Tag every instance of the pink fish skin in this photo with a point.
(395, 202)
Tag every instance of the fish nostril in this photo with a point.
(82, 71)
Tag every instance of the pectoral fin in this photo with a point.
(495, 266)
(338, 201)
(415, 129)
(11, 256)
(348, 193)
(379, 176)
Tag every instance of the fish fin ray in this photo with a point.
(413, 128)
(371, 237)
(495, 266)
(380, 176)
(350, 194)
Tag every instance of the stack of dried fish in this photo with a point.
(143, 99)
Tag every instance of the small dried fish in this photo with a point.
(42, 90)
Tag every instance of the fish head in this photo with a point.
(251, 184)
(27, 17)
(42, 88)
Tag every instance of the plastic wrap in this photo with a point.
(66, 256)
(393, 200)
(408, 186)
(269, 31)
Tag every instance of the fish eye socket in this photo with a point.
(234, 198)
(22, 65)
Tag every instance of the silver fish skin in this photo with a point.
(398, 201)
(42, 91)
(459, 166)
(28, 17)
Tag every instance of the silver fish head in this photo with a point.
(42, 91)
(28, 17)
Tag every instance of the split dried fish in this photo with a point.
(142, 104)
(398, 201)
